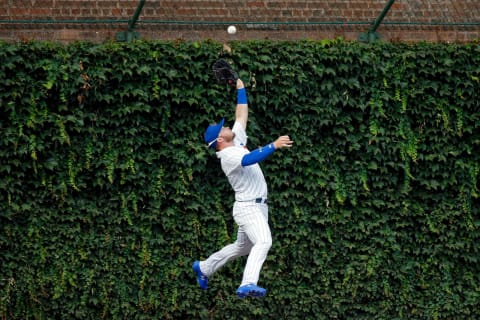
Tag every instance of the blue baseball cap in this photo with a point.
(212, 132)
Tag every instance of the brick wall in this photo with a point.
(407, 20)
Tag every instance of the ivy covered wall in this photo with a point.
(108, 194)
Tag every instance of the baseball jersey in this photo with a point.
(247, 182)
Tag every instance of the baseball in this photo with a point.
(232, 30)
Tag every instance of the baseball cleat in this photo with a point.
(201, 278)
(251, 290)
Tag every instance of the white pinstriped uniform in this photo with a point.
(253, 238)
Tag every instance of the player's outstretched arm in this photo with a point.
(263, 153)
(241, 111)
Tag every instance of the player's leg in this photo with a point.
(204, 269)
(254, 220)
(240, 247)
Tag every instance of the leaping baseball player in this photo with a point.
(250, 210)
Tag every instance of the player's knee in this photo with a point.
(242, 248)
(266, 244)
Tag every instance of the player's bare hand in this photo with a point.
(283, 142)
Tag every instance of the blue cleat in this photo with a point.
(201, 278)
(251, 290)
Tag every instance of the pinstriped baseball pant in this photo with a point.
(253, 239)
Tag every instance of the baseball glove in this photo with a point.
(224, 73)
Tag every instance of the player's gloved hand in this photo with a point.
(224, 73)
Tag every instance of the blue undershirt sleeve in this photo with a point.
(258, 155)
(242, 96)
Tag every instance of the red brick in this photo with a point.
(410, 13)
(40, 12)
(44, 3)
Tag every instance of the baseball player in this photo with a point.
(250, 210)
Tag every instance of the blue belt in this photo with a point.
(256, 200)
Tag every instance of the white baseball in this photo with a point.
(232, 30)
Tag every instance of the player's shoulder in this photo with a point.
(240, 134)
(231, 154)
(234, 149)
(238, 127)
